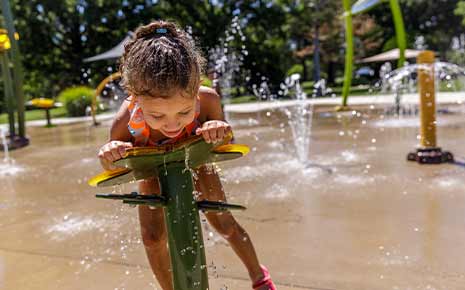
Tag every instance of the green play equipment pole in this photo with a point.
(349, 52)
(359, 7)
(174, 165)
(362, 6)
(185, 240)
(8, 92)
(17, 67)
(400, 31)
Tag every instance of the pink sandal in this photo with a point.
(266, 280)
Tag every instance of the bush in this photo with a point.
(295, 69)
(76, 100)
(206, 82)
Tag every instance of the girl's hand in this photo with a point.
(111, 152)
(214, 131)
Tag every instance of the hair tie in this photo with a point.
(161, 30)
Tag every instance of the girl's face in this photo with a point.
(168, 115)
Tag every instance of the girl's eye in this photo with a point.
(157, 117)
(184, 113)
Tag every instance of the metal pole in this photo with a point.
(48, 117)
(316, 53)
(428, 151)
(17, 67)
(426, 88)
(316, 59)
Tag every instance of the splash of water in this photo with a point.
(112, 95)
(299, 118)
(227, 58)
(6, 157)
(187, 164)
(384, 72)
(403, 81)
(320, 88)
(8, 166)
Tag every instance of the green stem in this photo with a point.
(349, 52)
(400, 30)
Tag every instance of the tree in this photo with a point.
(312, 25)
(431, 20)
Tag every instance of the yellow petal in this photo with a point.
(232, 148)
(94, 181)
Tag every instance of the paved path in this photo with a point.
(354, 101)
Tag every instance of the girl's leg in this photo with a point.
(209, 185)
(154, 236)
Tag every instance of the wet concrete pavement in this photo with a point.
(357, 217)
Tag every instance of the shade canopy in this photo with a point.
(364, 5)
(393, 54)
(115, 52)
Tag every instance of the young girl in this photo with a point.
(161, 69)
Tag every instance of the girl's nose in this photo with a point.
(172, 125)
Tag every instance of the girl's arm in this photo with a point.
(210, 105)
(119, 129)
(120, 139)
(214, 127)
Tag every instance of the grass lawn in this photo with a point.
(243, 99)
(37, 114)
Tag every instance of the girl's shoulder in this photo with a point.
(210, 104)
(207, 94)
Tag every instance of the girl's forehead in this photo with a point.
(170, 103)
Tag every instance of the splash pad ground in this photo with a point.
(358, 217)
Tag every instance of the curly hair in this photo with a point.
(159, 60)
